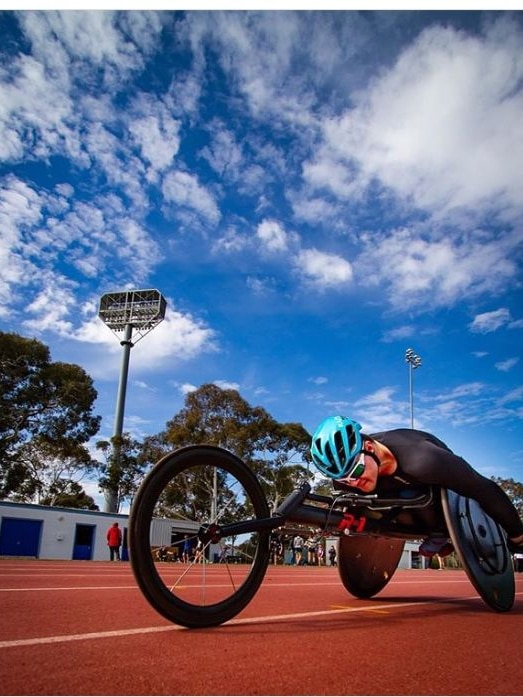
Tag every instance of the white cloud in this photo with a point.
(103, 38)
(272, 236)
(51, 306)
(38, 92)
(178, 338)
(232, 241)
(187, 387)
(507, 365)
(404, 332)
(224, 154)
(422, 271)
(184, 190)
(381, 396)
(441, 127)
(20, 209)
(312, 209)
(470, 389)
(261, 286)
(490, 321)
(31, 99)
(258, 49)
(515, 395)
(323, 270)
(158, 140)
(226, 384)
(47, 239)
(320, 380)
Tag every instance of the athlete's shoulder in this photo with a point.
(407, 436)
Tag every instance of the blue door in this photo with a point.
(125, 548)
(20, 537)
(83, 541)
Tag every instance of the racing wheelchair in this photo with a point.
(208, 496)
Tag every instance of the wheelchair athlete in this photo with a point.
(387, 461)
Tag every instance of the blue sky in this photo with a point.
(313, 193)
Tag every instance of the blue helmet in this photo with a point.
(335, 444)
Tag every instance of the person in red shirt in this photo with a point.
(114, 541)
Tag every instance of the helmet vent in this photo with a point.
(338, 442)
(351, 436)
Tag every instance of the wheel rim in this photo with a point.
(481, 547)
(184, 502)
(485, 537)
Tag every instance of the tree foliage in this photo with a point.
(69, 495)
(46, 418)
(221, 417)
(121, 471)
(514, 491)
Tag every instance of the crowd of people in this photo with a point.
(300, 550)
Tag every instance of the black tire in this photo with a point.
(367, 563)
(482, 548)
(187, 489)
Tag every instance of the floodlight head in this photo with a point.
(412, 358)
(141, 310)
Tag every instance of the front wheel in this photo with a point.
(188, 493)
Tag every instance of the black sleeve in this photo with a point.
(431, 464)
(429, 461)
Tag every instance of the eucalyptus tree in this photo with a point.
(514, 491)
(121, 471)
(222, 417)
(46, 417)
(69, 494)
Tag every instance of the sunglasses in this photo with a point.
(358, 468)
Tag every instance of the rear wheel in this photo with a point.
(181, 503)
(482, 548)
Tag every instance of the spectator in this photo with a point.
(114, 541)
(297, 545)
(198, 553)
(186, 549)
(319, 552)
(311, 552)
(332, 556)
(161, 554)
(276, 548)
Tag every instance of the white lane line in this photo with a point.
(16, 643)
(210, 584)
(84, 637)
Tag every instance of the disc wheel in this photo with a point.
(367, 563)
(182, 503)
(482, 548)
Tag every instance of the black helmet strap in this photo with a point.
(372, 455)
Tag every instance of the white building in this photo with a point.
(46, 532)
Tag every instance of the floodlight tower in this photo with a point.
(123, 312)
(414, 362)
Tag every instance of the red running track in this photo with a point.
(83, 628)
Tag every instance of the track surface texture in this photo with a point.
(83, 628)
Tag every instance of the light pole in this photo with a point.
(123, 312)
(414, 362)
